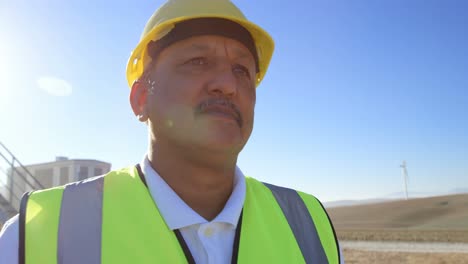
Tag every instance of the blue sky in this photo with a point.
(354, 88)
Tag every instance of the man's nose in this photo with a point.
(224, 81)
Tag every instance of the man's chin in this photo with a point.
(227, 144)
(223, 143)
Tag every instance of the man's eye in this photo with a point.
(198, 61)
(239, 69)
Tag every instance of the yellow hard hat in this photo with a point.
(174, 11)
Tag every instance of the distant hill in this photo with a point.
(401, 195)
(448, 212)
(459, 190)
(394, 197)
(341, 203)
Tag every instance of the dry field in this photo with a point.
(453, 236)
(434, 219)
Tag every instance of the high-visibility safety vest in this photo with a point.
(113, 219)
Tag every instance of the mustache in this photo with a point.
(201, 108)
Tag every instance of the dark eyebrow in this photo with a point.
(242, 54)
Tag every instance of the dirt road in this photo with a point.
(388, 246)
(353, 256)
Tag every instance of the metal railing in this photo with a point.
(15, 179)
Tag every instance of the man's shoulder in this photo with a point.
(9, 241)
(90, 180)
(279, 190)
(10, 224)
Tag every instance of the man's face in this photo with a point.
(204, 94)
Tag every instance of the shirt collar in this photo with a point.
(178, 214)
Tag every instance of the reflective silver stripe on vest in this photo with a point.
(79, 234)
(301, 223)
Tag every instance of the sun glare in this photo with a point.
(5, 76)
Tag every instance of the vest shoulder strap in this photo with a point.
(324, 226)
(39, 220)
(309, 223)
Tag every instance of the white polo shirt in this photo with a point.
(209, 242)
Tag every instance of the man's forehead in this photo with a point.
(212, 42)
(206, 30)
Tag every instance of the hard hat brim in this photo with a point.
(139, 58)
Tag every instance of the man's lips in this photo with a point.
(221, 111)
(222, 108)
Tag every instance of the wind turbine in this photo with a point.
(405, 177)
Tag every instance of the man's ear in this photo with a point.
(138, 99)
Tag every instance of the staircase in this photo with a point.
(6, 210)
(15, 180)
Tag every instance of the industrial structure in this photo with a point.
(16, 178)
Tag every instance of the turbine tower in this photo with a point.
(405, 177)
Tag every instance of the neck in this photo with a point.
(204, 181)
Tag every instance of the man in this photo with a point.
(193, 80)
